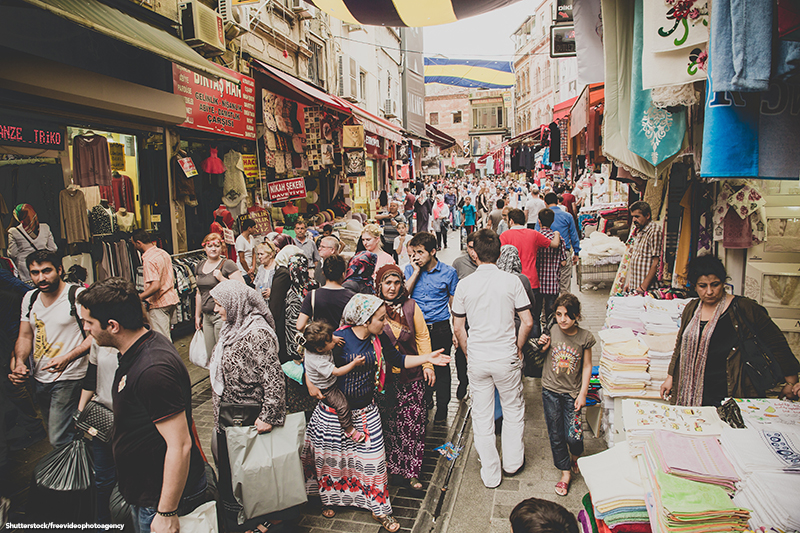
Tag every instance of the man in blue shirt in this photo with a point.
(564, 224)
(432, 285)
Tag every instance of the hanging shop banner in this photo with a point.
(31, 133)
(284, 190)
(260, 216)
(217, 106)
(373, 145)
(250, 169)
(187, 165)
(353, 136)
(117, 153)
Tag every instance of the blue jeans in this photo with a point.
(143, 516)
(563, 427)
(105, 475)
(57, 402)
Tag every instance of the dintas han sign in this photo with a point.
(217, 106)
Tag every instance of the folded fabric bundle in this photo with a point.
(774, 449)
(697, 458)
(611, 336)
(772, 500)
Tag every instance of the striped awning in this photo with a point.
(472, 73)
(411, 13)
(114, 23)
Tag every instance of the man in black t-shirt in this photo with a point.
(160, 468)
(327, 303)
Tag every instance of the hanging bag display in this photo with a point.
(758, 360)
(266, 470)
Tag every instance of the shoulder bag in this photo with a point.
(758, 360)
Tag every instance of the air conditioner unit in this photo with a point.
(390, 108)
(301, 9)
(347, 78)
(235, 18)
(202, 27)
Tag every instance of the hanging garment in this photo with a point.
(125, 220)
(655, 134)
(213, 165)
(675, 95)
(91, 195)
(555, 143)
(122, 191)
(74, 216)
(234, 188)
(91, 163)
(588, 41)
(102, 220)
(736, 232)
(741, 45)
(684, 241)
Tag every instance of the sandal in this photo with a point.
(388, 522)
(355, 435)
(575, 469)
(262, 528)
(328, 512)
(562, 488)
(414, 484)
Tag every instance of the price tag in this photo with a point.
(187, 165)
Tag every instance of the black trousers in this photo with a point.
(538, 301)
(441, 338)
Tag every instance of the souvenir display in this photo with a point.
(355, 163)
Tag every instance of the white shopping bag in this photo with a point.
(201, 520)
(197, 350)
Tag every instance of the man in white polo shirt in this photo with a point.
(488, 300)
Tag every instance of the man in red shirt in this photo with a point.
(528, 242)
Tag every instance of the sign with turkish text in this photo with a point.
(187, 165)
(373, 144)
(284, 190)
(217, 106)
(562, 40)
(33, 134)
(117, 154)
(261, 217)
(250, 169)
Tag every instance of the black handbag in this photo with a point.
(238, 414)
(758, 360)
(97, 420)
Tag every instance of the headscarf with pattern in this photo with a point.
(360, 309)
(246, 311)
(509, 259)
(298, 274)
(28, 219)
(361, 269)
(394, 308)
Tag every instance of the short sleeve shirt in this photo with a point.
(206, 282)
(157, 268)
(528, 243)
(534, 205)
(646, 246)
(55, 332)
(106, 360)
(433, 290)
(563, 368)
(328, 305)
(319, 369)
(245, 246)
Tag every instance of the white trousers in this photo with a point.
(161, 318)
(506, 376)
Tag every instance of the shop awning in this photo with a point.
(439, 138)
(301, 91)
(375, 124)
(117, 25)
(562, 110)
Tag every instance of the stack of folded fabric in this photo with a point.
(660, 347)
(772, 499)
(623, 363)
(773, 448)
(643, 417)
(696, 458)
(679, 504)
(616, 489)
(595, 394)
(626, 312)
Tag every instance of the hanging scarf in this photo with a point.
(509, 260)
(361, 268)
(394, 308)
(301, 282)
(246, 312)
(694, 352)
(26, 216)
(357, 312)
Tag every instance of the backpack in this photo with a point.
(72, 291)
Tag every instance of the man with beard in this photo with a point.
(645, 250)
(51, 331)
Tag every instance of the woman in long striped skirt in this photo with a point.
(342, 471)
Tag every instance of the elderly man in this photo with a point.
(645, 250)
(327, 247)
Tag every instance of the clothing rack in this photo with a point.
(187, 253)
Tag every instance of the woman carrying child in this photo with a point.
(565, 383)
(402, 407)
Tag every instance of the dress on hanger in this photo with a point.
(213, 165)
(91, 163)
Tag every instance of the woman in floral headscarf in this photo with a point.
(301, 283)
(403, 405)
(28, 237)
(334, 464)
(360, 273)
(244, 369)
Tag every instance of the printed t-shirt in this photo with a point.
(328, 304)
(55, 332)
(563, 368)
(527, 242)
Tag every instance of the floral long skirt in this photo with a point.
(403, 410)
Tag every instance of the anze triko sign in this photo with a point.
(284, 190)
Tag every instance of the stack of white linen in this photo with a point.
(623, 363)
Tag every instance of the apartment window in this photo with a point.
(488, 117)
(457, 117)
(362, 85)
(316, 69)
(434, 119)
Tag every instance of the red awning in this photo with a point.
(375, 124)
(439, 138)
(299, 90)
(562, 110)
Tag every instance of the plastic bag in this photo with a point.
(62, 489)
(266, 471)
(201, 520)
(197, 349)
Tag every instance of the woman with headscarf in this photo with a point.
(27, 237)
(402, 406)
(299, 397)
(244, 369)
(301, 284)
(334, 464)
(441, 216)
(360, 273)
(422, 208)
(510, 262)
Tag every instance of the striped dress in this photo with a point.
(343, 472)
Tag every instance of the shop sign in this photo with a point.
(373, 144)
(15, 132)
(187, 165)
(260, 216)
(562, 40)
(284, 190)
(117, 153)
(564, 13)
(217, 106)
(250, 169)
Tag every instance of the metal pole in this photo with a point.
(452, 464)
